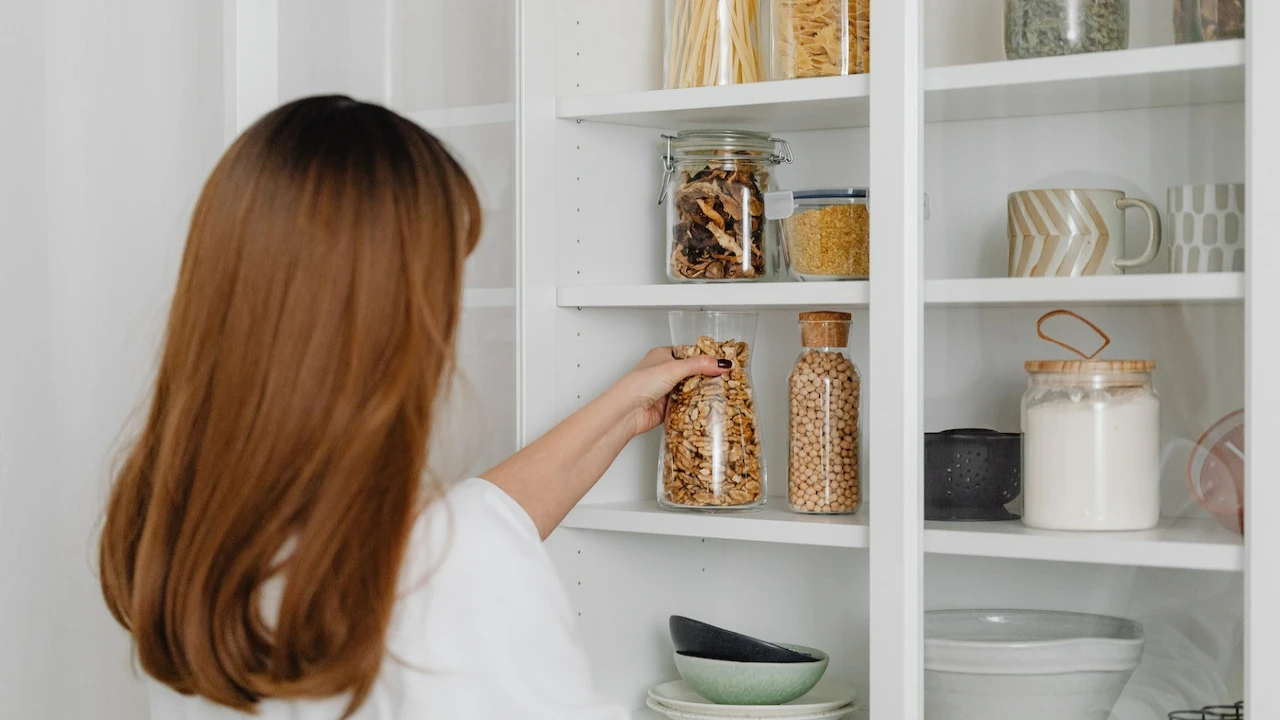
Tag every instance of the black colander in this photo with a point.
(971, 474)
(1213, 712)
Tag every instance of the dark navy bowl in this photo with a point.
(699, 639)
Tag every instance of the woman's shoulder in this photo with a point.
(474, 529)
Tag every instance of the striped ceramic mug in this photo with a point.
(1064, 232)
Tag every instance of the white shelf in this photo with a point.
(1122, 80)
(1098, 290)
(1195, 544)
(774, 523)
(488, 298)
(809, 104)
(1125, 79)
(751, 295)
(1110, 290)
(466, 116)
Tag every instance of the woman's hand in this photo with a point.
(551, 474)
(645, 388)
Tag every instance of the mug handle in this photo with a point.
(1153, 239)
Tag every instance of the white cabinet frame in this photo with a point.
(897, 298)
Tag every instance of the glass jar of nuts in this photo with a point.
(826, 388)
(711, 457)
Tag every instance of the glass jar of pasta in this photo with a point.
(817, 38)
(713, 42)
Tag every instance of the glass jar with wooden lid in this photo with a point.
(1091, 443)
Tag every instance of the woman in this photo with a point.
(270, 542)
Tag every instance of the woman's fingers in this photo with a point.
(663, 377)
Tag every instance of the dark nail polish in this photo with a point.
(726, 364)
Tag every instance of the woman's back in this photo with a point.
(481, 629)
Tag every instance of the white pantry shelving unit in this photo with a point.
(556, 108)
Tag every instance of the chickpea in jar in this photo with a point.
(825, 389)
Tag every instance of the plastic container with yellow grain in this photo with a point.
(826, 234)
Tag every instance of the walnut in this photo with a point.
(711, 451)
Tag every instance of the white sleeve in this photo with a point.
(490, 626)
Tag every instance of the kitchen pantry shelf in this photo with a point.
(1155, 288)
(773, 524)
(1099, 290)
(1121, 80)
(694, 295)
(1190, 543)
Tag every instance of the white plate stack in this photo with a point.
(678, 701)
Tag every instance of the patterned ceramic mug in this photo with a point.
(1074, 232)
(1206, 228)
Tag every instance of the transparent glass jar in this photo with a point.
(713, 42)
(714, 189)
(817, 38)
(711, 456)
(1205, 20)
(825, 392)
(1044, 28)
(826, 234)
(1091, 445)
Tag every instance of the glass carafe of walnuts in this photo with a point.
(711, 458)
(826, 389)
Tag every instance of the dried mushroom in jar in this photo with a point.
(719, 228)
(711, 449)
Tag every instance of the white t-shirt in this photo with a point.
(482, 630)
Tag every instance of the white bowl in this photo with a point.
(1018, 664)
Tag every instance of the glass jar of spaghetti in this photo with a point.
(713, 42)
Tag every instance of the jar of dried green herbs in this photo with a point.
(1043, 28)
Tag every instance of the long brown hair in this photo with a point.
(311, 331)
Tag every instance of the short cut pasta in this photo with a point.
(817, 38)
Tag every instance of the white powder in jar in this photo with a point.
(1091, 460)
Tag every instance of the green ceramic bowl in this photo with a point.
(747, 683)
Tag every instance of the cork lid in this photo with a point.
(1089, 367)
(824, 329)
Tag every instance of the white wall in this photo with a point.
(112, 118)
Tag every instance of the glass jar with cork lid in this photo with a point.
(825, 389)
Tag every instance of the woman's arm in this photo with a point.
(549, 476)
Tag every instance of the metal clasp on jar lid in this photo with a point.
(781, 156)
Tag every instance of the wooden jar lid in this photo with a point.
(1087, 367)
(824, 329)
